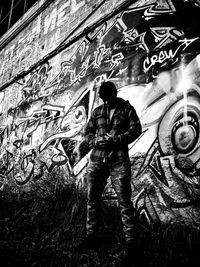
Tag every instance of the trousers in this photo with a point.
(120, 174)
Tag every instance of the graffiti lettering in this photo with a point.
(165, 55)
(99, 54)
(116, 60)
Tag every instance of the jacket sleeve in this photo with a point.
(90, 131)
(134, 130)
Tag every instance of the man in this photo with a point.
(111, 128)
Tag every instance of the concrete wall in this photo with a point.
(151, 51)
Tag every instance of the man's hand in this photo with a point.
(104, 142)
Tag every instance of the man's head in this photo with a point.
(108, 93)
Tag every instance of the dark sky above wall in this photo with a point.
(11, 11)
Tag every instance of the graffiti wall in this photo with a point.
(150, 51)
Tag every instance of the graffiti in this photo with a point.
(167, 55)
(165, 35)
(166, 161)
(159, 7)
(20, 53)
(54, 150)
(182, 129)
(24, 50)
(173, 189)
(1, 101)
(95, 53)
(71, 126)
(34, 85)
(60, 14)
(155, 65)
(56, 17)
(27, 166)
(125, 37)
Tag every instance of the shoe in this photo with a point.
(89, 242)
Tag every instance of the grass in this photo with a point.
(42, 230)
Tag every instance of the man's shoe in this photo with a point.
(89, 242)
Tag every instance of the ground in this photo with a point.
(43, 230)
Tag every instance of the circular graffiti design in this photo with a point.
(178, 131)
(185, 132)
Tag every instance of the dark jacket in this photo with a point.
(124, 127)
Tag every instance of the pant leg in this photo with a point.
(97, 175)
(121, 182)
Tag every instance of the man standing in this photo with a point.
(111, 128)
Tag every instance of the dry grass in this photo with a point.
(42, 230)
